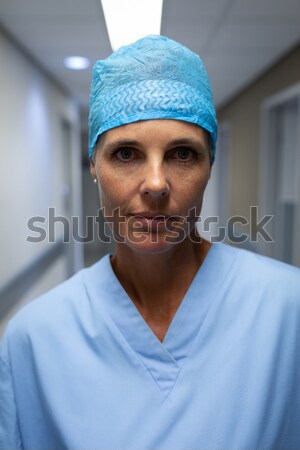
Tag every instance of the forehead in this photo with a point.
(159, 130)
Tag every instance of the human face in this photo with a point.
(152, 176)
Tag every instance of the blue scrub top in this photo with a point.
(81, 370)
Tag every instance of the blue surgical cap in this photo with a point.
(154, 78)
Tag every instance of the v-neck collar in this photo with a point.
(163, 360)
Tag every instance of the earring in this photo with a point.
(95, 181)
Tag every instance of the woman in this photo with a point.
(171, 343)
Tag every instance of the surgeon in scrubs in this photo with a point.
(171, 343)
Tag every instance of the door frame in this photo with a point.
(267, 166)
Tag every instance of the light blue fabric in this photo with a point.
(154, 78)
(81, 370)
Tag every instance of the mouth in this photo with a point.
(151, 216)
(151, 221)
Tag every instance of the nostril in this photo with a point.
(155, 193)
(155, 187)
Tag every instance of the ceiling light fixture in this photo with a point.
(129, 20)
(76, 62)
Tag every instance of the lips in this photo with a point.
(151, 216)
(150, 221)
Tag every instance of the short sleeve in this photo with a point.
(9, 428)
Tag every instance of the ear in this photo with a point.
(210, 168)
(92, 169)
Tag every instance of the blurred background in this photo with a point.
(252, 54)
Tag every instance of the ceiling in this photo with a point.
(237, 39)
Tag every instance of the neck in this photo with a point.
(157, 283)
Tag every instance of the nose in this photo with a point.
(155, 182)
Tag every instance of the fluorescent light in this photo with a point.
(76, 62)
(129, 20)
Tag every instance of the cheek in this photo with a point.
(195, 187)
(111, 187)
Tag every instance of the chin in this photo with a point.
(152, 244)
(151, 249)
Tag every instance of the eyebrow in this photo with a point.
(121, 143)
(188, 141)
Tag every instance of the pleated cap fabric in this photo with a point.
(154, 78)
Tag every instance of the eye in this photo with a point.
(183, 153)
(125, 153)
